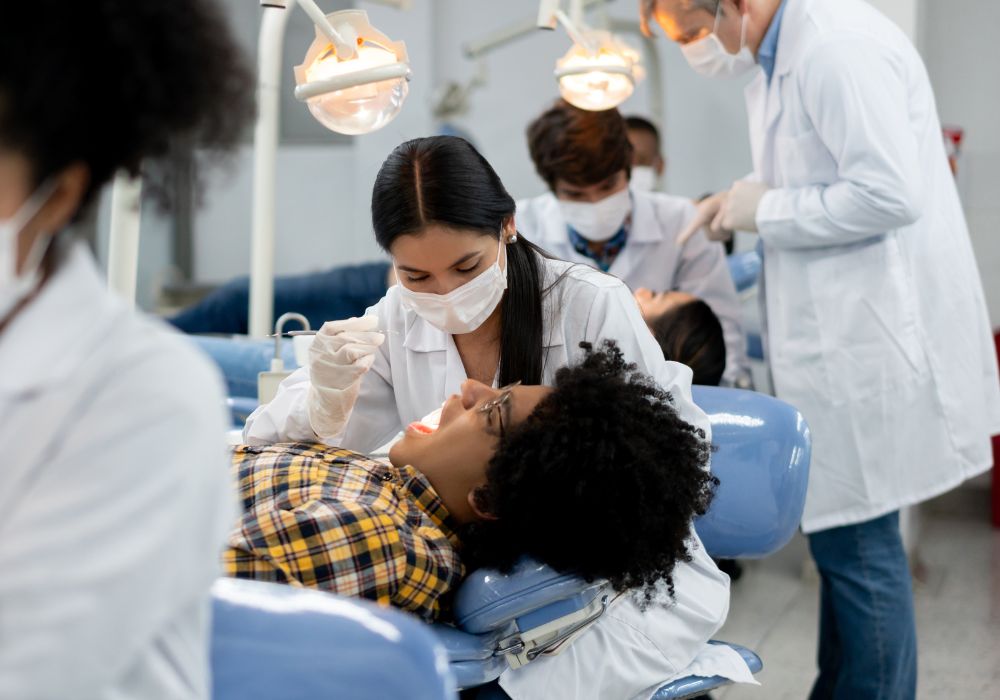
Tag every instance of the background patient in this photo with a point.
(562, 474)
(687, 330)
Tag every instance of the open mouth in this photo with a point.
(420, 428)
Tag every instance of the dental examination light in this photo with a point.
(354, 79)
(599, 71)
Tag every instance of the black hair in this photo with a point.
(606, 475)
(636, 123)
(444, 181)
(690, 333)
(112, 83)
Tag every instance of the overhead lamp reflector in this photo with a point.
(358, 85)
(598, 72)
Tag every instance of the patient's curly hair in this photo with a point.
(602, 480)
(114, 83)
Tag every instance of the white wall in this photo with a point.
(314, 214)
(905, 13)
(962, 52)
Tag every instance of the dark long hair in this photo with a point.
(443, 180)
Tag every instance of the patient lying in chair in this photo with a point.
(563, 474)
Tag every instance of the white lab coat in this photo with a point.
(876, 322)
(418, 367)
(651, 259)
(116, 499)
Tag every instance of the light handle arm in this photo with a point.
(575, 32)
(345, 49)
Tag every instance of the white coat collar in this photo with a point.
(421, 336)
(58, 330)
(549, 220)
(645, 227)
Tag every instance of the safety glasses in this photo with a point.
(497, 404)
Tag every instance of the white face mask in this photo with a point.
(709, 57)
(14, 287)
(598, 221)
(464, 309)
(644, 178)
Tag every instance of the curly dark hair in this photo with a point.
(112, 83)
(602, 480)
(578, 146)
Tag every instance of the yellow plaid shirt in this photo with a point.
(335, 520)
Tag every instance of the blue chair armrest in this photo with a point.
(472, 657)
(693, 686)
(273, 641)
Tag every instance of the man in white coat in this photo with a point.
(876, 325)
(592, 216)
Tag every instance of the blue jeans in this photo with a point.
(241, 359)
(340, 292)
(867, 633)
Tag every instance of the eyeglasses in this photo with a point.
(498, 403)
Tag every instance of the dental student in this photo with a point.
(876, 325)
(474, 300)
(116, 499)
(594, 216)
(477, 301)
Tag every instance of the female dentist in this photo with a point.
(475, 300)
(116, 498)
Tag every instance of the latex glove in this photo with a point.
(739, 210)
(339, 357)
(707, 212)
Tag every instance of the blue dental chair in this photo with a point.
(762, 462)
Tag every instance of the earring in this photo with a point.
(513, 238)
